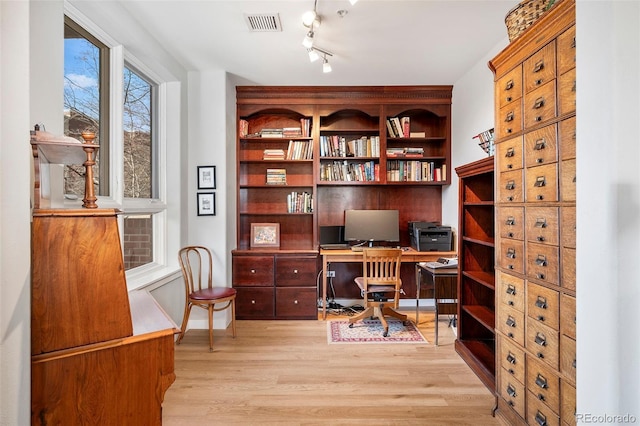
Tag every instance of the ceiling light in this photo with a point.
(353, 2)
(308, 40)
(313, 55)
(311, 19)
(326, 66)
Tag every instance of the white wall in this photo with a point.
(608, 213)
(15, 190)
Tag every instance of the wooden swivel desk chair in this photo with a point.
(380, 285)
(196, 264)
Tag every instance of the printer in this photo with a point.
(429, 236)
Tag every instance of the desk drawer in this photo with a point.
(511, 222)
(544, 384)
(509, 154)
(296, 303)
(511, 324)
(542, 225)
(512, 359)
(542, 262)
(543, 342)
(510, 290)
(255, 303)
(253, 271)
(540, 146)
(296, 271)
(542, 183)
(543, 304)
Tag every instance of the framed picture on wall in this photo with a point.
(206, 204)
(206, 177)
(265, 235)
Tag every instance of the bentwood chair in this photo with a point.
(196, 264)
(380, 286)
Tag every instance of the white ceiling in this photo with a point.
(378, 42)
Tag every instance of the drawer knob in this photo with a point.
(253, 302)
(509, 198)
(539, 160)
(509, 98)
(510, 303)
(540, 355)
(539, 197)
(541, 397)
(295, 302)
(510, 335)
(540, 238)
(511, 371)
(510, 234)
(253, 271)
(538, 118)
(540, 276)
(509, 130)
(540, 318)
(295, 271)
(509, 166)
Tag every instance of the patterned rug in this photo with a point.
(370, 331)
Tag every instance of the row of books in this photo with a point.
(415, 152)
(415, 171)
(304, 131)
(300, 150)
(299, 202)
(276, 176)
(347, 171)
(399, 127)
(338, 146)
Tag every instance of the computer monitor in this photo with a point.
(371, 225)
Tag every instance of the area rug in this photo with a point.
(370, 331)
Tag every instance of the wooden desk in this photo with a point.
(443, 282)
(348, 256)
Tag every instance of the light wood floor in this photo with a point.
(285, 373)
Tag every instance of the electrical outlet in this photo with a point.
(331, 274)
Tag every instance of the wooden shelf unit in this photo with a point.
(343, 114)
(476, 282)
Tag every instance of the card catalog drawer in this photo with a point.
(511, 324)
(568, 357)
(567, 92)
(542, 183)
(543, 263)
(509, 120)
(541, 147)
(511, 222)
(544, 384)
(513, 392)
(512, 359)
(568, 315)
(540, 68)
(509, 87)
(509, 154)
(539, 414)
(510, 290)
(567, 136)
(543, 342)
(510, 187)
(540, 105)
(567, 50)
(568, 227)
(542, 225)
(543, 305)
(511, 255)
(569, 268)
(568, 183)
(568, 403)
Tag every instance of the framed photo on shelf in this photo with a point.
(206, 177)
(206, 204)
(265, 235)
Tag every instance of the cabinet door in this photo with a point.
(296, 271)
(255, 271)
(255, 303)
(296, 303)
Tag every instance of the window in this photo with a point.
(86, 102)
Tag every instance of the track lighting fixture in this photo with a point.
(311, 20)
(313, 55)
(353, 2)
(308, 40)
(326, 66)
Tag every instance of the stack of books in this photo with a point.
(273, 154)
(406, 152)
(276, 176)
(291, 132)
(271, 133)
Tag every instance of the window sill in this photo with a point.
(150, 277)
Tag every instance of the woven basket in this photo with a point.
(523, 15)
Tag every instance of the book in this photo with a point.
(397, 126)
(406, 126)
(276, 177)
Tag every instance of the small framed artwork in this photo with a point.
(265, 235)
(206, 177)
(206, 204)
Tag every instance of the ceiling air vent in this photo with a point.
(263, 22)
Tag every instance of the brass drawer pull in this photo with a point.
(511, 391)
(510, 152)
(541, 419)
(541, 381)
(541, 302)
(540, 144)
(511, 185)
(509, 117)
(510, 221)
(511, 253)
(541, 222)
(540, 339)
(511, 289)
(511, 358)
(539, 66)
(539, 103)
(541, 260)
(540, 182)
(509, 85)
(511, 322)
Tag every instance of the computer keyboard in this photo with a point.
(334, 246)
